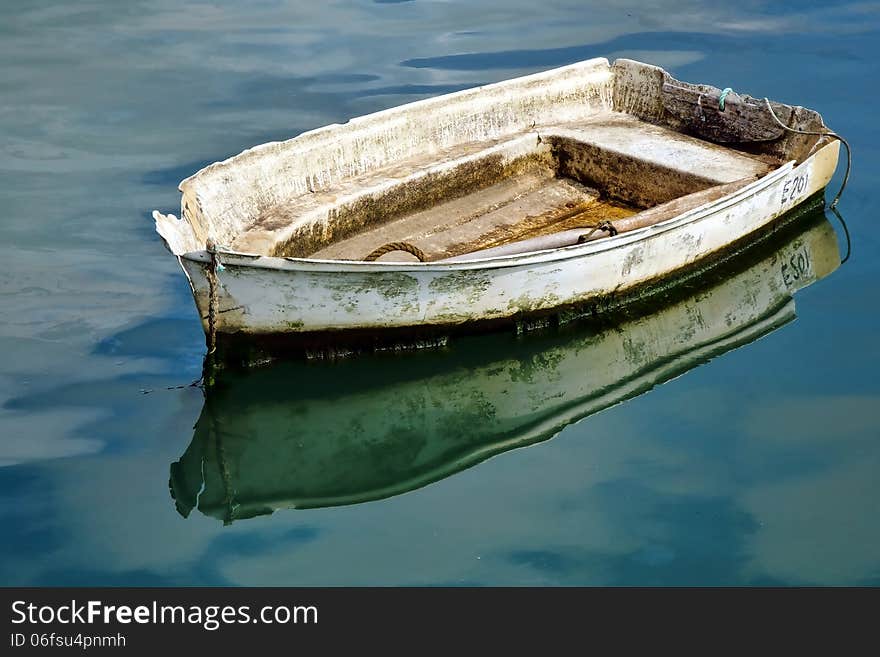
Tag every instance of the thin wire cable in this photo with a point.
(836, 213)
(826, 133)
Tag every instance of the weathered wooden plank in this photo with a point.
(698, 109)
(644, 218)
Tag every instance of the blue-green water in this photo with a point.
(758, 466)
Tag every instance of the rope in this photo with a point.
(213, 310)
(213, 296)
(845, 232)
(396, 246)
(723, 96)
(827, 133)
(225, 476)
(194, 384)
(605, 225)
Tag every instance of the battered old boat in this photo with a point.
(541, 197)
(300, 436)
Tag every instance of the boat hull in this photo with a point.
(323, 299)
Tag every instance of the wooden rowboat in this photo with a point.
(530, 200)
(301, 436)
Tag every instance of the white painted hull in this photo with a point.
(269, 295)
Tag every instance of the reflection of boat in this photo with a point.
(301, 435)
(520, 198)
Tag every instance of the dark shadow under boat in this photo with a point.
(305, 435)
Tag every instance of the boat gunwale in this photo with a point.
(594, 62)
(240, 259)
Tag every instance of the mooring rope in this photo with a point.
(836, 213)
(827, 133)
(213, 295)
(397, 246)
(192, 384)
(223, 466)
(213, 310)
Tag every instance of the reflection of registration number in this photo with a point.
(796, 267)
(794, 187)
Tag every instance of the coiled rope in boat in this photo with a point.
(396, 246)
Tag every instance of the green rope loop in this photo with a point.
(723, 96)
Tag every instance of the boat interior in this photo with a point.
(545, 161)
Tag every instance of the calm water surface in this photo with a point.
(752, 465)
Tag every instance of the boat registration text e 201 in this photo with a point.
(794, 187)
